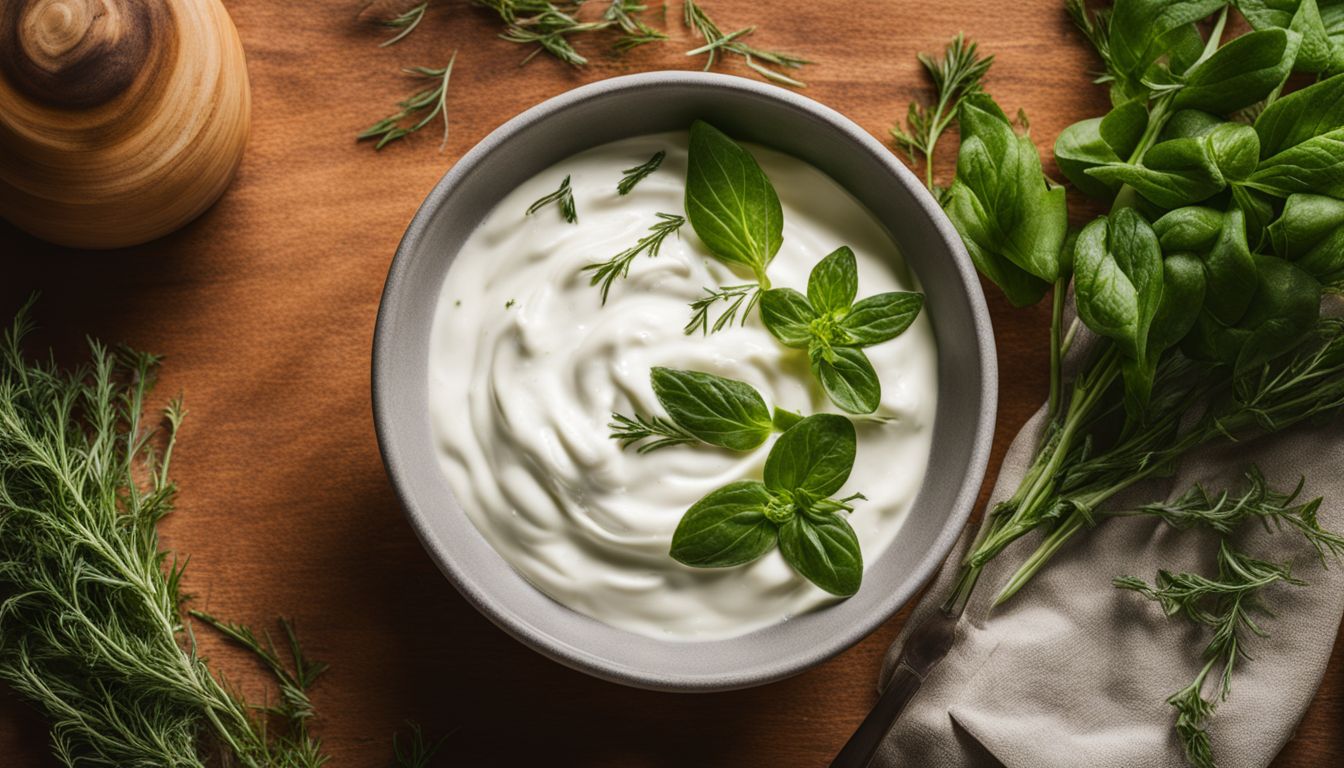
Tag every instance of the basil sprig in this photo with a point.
(702, 407)
(833, 328)
(792, 508)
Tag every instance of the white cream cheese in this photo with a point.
(526, 367)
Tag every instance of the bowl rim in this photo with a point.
(769, 669)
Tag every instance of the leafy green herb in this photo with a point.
(92, 632)
(955, 76)
(738, 301)
(742, 521)
(637, 174)
(431, 101)
(618, 266)
(731, 203)
(717, 43)
(834, 329)
(1012, 221)
(702, 408)
(404, 22)
(564, 197)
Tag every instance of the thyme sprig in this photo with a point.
(633, 176)
(405, 23)
(1227, 605)
(618, 266)
(564, 196)
(630, 430)
(955, 76)
(717, 43)
(739, 300)
(550, 26)
(432, 101)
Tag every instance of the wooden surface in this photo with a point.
(265, 310)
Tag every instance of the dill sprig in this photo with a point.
(637, 174)
(405, 23)
(631, 430)
(717, 43)
(618, 266)
(433, 101)
(1226, 605)
(955, 76)
(91, 627)
(419, 752)
(549, 26)
(564, 196)
(739, 300)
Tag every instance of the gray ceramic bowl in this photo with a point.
(747, 110)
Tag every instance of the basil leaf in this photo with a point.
(1310, 233)
(1142, 30)
(1238, 74)
(1118, 279)
(824, 551)
(1258, 210)
(1230, 270)
(1192, 228)
(727, 527)
(1122, 128)
(813, 456)
(729, 201)
(1080, 147)
(834, 282)
(1012, 222)
(1189, 124)
(1315, 165)
(1300, 116)
(1235, 149)
(1172, 174)
(847, 377)
(724, 412)
(1287, 303)
(1184, 288)
(882, 317)
(788, 316)
(1317, 51)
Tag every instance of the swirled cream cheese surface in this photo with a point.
(527, 366)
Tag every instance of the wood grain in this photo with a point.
(265, 309)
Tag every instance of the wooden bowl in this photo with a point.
(120, 120)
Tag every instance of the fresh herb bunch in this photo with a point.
(1203, 281)
(705, 408)
(428, 103)
(618, 266)
(792, 508)
(563, 197)
(92, 630)
(834, 329)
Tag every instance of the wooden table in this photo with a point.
(265, 310)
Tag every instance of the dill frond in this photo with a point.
(405, 23)
(718, 43)
(738, 300)
(633, 176)
(958, 74)
(631, 430)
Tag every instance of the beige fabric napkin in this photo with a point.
(1074, 672)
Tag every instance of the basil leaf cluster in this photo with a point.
(791, 507)
(834, 328)
(1012, 221)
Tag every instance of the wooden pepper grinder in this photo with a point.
(120, 120)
